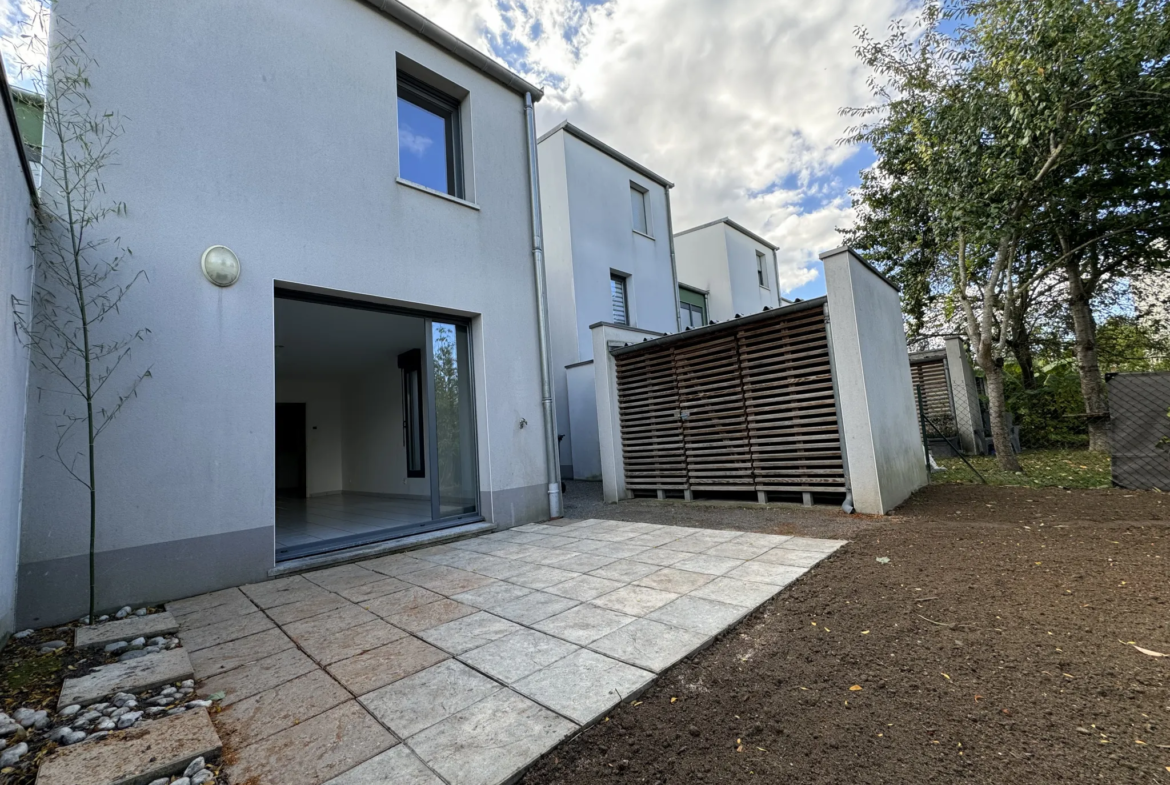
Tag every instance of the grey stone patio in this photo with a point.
(464, 663)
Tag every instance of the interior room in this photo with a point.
(367, 401)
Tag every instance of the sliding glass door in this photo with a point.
(453, 483)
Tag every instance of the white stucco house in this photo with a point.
(724, 271)
(376, 365)
(610, 259)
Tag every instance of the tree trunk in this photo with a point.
(1001, 437)
(1092, 384)
(1022, 349)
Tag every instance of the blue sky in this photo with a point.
(736, 101)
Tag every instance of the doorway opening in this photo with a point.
(375, 429)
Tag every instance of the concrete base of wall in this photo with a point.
(515, 506)
(57, 590)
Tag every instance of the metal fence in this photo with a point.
(1139, 430)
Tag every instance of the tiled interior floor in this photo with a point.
(467, 661)
(320, 518)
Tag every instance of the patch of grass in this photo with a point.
(23, 673)
(1042, 468)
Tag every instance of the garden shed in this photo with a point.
(808, 402)
(946, 392)
(1139, 430)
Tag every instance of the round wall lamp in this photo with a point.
(220, 265)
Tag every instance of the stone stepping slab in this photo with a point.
(144, 673)
(149, 626)
(138, 756)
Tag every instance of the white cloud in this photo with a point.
(413, 143)
(23, 32)
(736, 101)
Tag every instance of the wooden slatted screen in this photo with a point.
(742, 408)
(931, 375)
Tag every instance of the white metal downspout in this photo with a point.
(673, 265)
(552, 452)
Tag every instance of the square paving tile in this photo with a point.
(669, 579)
(769, 540)
(708, 564)
(327, 647)
(418, 701)
(500, 568)
(258, 676)
(227, 611)
(660, 557)
(431, 615)
(214, 634)
(315, 750)
(791, 557)
(282, 591)
(584, 624)
(624, 570)
(696, 614)
(397, 765)
(490, 741)
(586, 546)
(549, 557)
(261, 715)
(347, 576)
(517, 655)
(649, 644)
(584, 587)
(737, 549)
(218, 659)
(490, 596)
(339, 621)
(396, 564)
(635, 600)
(584, 562)
(202, 602)
(401, 601)
(382, 666)
(812, 544)
(746, 594)
(584, 685)
(534, 607)
(447, 580)
(371, 590)
(295, 611)
(541, 577)
(469, 632)
(762, 572)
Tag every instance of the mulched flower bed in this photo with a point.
(981, 635)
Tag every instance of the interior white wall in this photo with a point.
(324, 430)
(374, 456)
(16, 262)
(871, 371)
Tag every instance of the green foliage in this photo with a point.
(1125, 345)
(1048, 413)
(1042, 469)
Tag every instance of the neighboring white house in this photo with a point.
(375, 371)
(607, 238)
(724, 271)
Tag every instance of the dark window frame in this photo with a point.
(413, 428)
(446, 107)
(643, 194)
(624, 282)
(762, 270)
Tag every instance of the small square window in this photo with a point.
(639, 208)
(761, 270)
(429, 138)
(618, 301)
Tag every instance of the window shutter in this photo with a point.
(617, 291)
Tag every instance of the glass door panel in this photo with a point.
(454, 484)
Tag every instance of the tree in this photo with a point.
(81, 276)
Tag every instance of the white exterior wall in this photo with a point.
(16, 261)
(588, 232)
(871, 371)
(721, 260)
(232, 138)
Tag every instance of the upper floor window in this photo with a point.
(430, 146)
(692, 307)
(761, 270)
(639, 208)
(618, 299)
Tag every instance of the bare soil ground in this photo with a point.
(998, 644)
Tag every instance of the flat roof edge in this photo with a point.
(612, 152)
(416, 22)
(734, 225)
